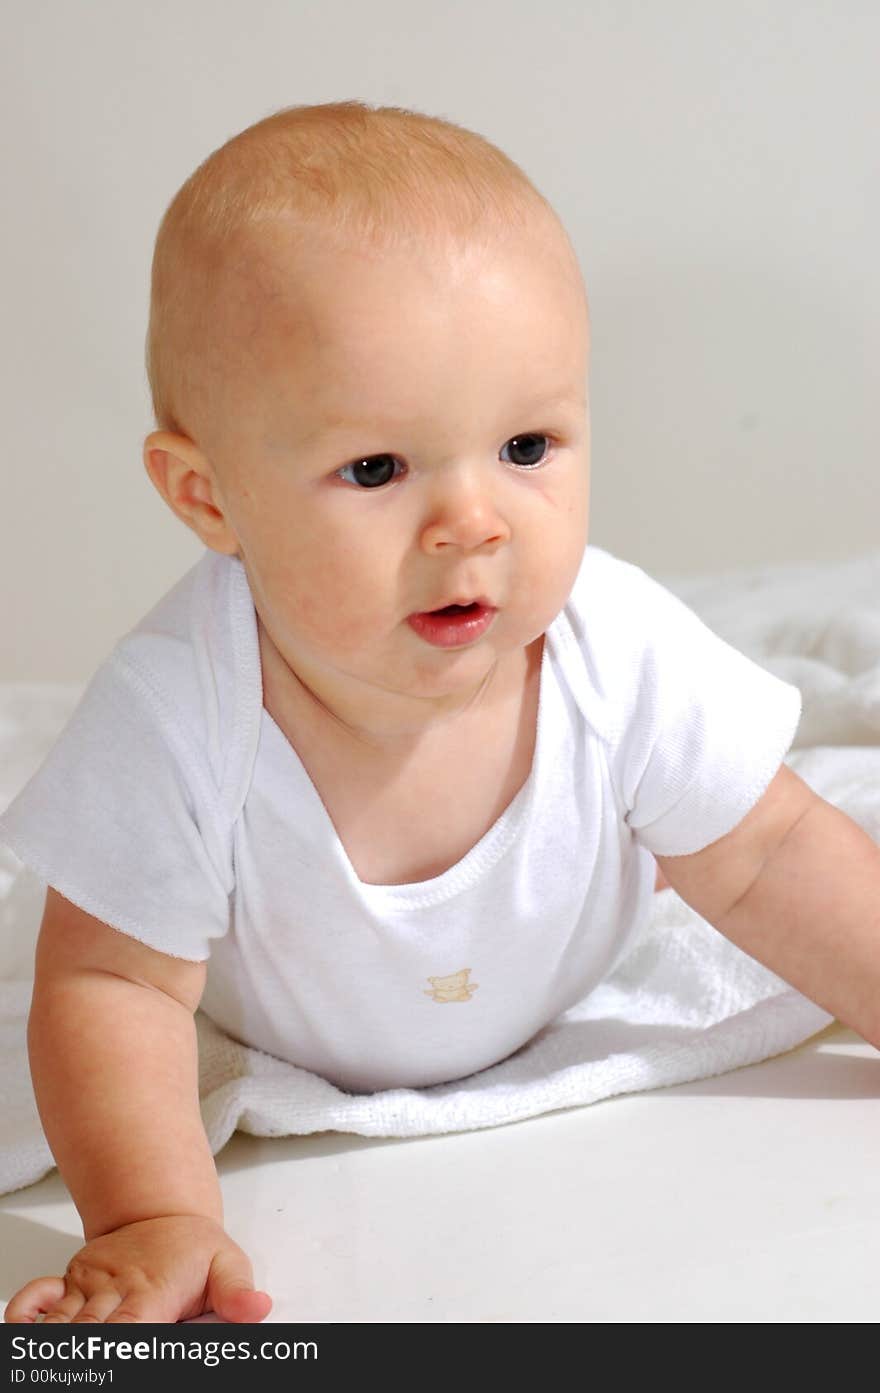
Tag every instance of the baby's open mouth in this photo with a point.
(454, 625)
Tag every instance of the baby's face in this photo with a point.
(420, 436)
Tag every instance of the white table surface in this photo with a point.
(752, 1196)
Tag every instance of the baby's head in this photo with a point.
(368, 359)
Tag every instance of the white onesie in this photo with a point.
(173, 808)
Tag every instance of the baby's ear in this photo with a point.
(185, 479)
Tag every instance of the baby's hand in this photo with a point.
(157, 1270)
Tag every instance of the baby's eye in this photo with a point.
(377, 470)
(370, 473)
(526, 445)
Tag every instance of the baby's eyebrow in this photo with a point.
(569, 397)
(344, 423)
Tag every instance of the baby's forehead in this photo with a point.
(285, 295)
(356, 304)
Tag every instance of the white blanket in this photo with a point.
(685, 1004)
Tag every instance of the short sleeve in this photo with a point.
(122, 821)
(701, 729)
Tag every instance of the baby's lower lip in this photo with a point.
(453, 630)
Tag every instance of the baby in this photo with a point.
(384, 781)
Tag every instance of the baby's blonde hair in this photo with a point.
(344, 172)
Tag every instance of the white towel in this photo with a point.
(685, 1004)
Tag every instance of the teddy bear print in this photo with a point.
(455, 987)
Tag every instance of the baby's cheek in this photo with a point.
(335, 613)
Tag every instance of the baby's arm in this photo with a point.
(797, 886)
(114, 1062)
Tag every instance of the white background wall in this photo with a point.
(715, 162)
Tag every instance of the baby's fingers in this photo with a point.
(149, 1306)
(38, 1296)
(62, 1303)
(46, 1297)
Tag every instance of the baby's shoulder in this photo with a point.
(612, 609)
(182, 658)
(616, 636)
(617, 607)
(160, 652)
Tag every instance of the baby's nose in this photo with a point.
(464, 515)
